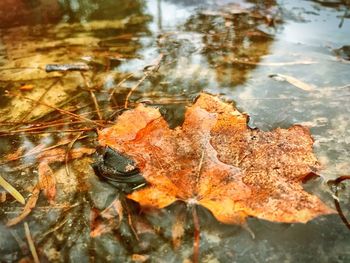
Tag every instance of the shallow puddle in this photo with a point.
(281, 62)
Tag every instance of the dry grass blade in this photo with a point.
(31, 243)
(12, 191)
(293, 81)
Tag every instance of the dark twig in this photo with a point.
(66, 67)
(335, 183)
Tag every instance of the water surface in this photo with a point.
(222, 47)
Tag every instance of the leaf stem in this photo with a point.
(196, 238)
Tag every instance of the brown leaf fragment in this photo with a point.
(27, 208)
(217, 161)
(47, 181)
(109, 219)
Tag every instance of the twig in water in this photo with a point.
(40, 150)
(133, 89)
(58, 109)
(69, 147)
(93, 97)
(38, 100)
(336, 182)
(119, 84)
(66, 67)
(31, 243)
(148, 71)
(92, 94)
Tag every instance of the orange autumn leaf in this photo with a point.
(217, 161)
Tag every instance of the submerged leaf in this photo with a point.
(217, 161)
(109, 219)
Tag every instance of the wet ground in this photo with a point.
(282, 62)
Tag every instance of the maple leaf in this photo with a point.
(217, 161)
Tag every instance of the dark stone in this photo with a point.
(118, 170)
